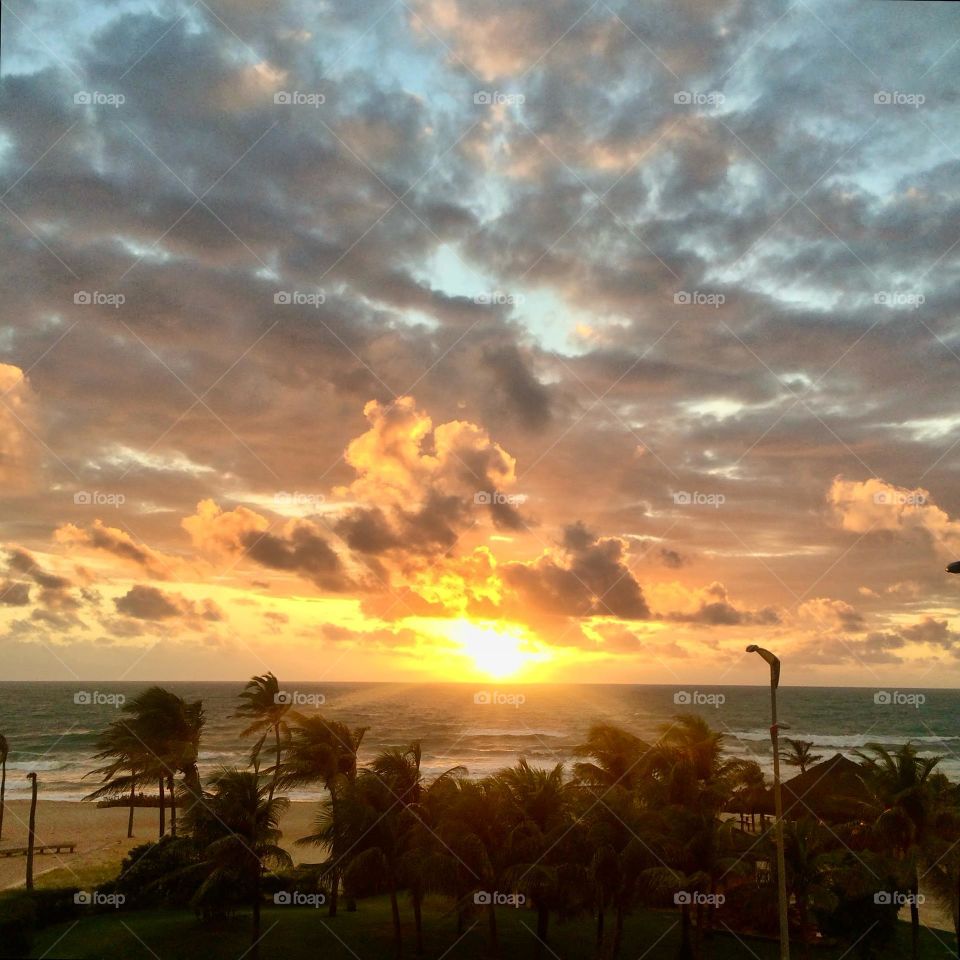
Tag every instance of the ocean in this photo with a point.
(51, 727)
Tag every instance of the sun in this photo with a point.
(498, 650)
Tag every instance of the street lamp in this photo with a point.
(777, 799)
(953, 567)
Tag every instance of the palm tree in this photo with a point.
(799, 754)
(264, 707)
(169, 729)
(470, 824)
(400, 771)
(4, 753)
(901, 799)
(942, 873)
(237, 827)
(692, 779)
(617, 758)
(809, 857)
(538, 819)
(324, 751)
(131, 764)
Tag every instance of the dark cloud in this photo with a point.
(143, 602)
(588, 577)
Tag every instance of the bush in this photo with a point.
(23, 913)
(159, 874)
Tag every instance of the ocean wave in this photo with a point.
(839, 741)
(514, 734)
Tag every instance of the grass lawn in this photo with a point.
(293, 933)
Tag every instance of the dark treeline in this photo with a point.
(670, 824)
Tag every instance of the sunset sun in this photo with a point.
(498, 650)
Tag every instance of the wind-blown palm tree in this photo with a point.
(324, 751)
(265, 709)
(237, 827)
(169, 729)
(900, 790)
(799, 754)
(617, 758)
(4, 753)
(130, 765)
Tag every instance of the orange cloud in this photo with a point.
(868, 505)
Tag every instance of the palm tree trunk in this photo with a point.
(492, 930)
(600, 920)
(543, 921)
(395, 911)
(173, 806)
(914, 917)
(276, 767)
(255, 940)
(956, 916)
(163, 811)
(418, 920)
(686, 950)
(335, 871)
(32, 828)
(617, 932)
(133, 787)
(3, 790)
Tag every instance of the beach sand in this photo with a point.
(101, 837)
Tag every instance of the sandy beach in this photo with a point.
(101, 836)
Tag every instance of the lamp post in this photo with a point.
(953, 567)
(777, 799)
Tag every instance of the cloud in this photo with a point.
(119, 544)
(586, 576)
(144, 602)
(17, 423)
(300, 547)
(14, 593)
(824, 613)
(875, 505)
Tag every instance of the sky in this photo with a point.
(444, 340)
